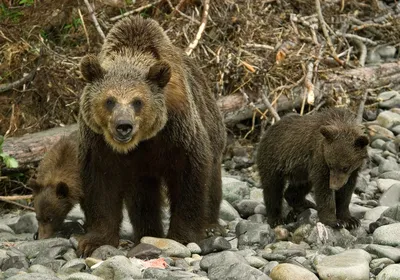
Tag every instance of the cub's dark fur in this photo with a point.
(323, 152)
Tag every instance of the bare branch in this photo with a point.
(138, 10)
(93, 16)
(361, 107)
(269, 106)
(192, 45)
(322, 23)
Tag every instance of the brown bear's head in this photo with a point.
(344, 151)
(52, 205)
(125, 103)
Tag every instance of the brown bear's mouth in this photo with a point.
(122, 140)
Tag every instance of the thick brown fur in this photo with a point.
(57, 187)
(323, 152)
(175, 138)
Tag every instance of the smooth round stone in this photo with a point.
(383, 251)
(144, 251)
(380, 263)
(392, 213)
(234, 189)
(390, 99)
(118, 267)
(386, 51)
(387, 165)
(395, 175)
(387, 235)
(33, 276)
(286, 271)
(246, 207)
(37, 268)
(256, 261)
(391, 272)
(106, 251)
(257, 194)
(26, 224)
(260, 209)
(378, 144)
(351, 264)
(227, 212)
(388, 119)
(391, 197)
(214, 244)
(83, 276)
(375, 213)
(169, 247)
(385, 184)
(194, 248)
(6, 228)
(379, 132)
(72, 266)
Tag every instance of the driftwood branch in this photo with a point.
(93, 16)
(236, 107)
(138, 10)
(192, 45)
(12, 200)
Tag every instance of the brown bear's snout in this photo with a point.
(124, 130)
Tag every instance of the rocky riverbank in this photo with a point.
(303, 249)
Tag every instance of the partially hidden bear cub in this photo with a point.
(324, 152)
(57, 187)
(147, 119)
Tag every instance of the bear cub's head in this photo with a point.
(124, 101)
(344, 151)
(52, 204)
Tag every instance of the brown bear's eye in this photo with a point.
(345, 169)
(110, 103)
(137, 104)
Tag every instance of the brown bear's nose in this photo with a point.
(124, 128)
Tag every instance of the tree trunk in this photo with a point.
(235, 108)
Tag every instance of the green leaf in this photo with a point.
(11, 162)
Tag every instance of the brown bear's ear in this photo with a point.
(90, 68)
(34, 185)
(62, 190)
(361, 141)
(159, 74)
(329, 132)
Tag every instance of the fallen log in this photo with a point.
(30, 148)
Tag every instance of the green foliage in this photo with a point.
(8, 14)
(9, 161)
(76, 22)
(26, 2)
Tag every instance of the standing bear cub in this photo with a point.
(57, 187)
(147, 119)
(323, 152)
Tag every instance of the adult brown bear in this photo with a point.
(147, 119)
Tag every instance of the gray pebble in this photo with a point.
(106, 251)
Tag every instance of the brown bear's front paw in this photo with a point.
(274, 222)
(336, 224)
(91, 241)
(215, 230)
(349, 222)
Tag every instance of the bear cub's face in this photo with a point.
(124, 103)
(344, 151)
(51, 205)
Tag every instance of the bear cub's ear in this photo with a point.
(62, 190)
(159, 74)
(90, 68)
(330, 132)
(361, 141)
